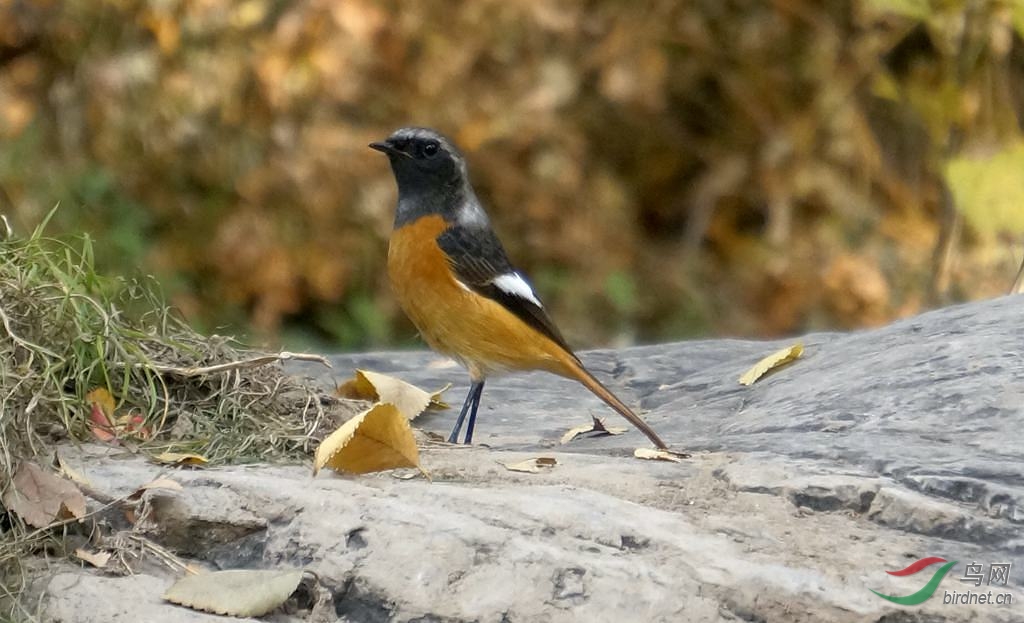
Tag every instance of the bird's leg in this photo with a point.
(470, 406)
(478, 386)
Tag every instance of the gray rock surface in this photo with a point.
(877, 448)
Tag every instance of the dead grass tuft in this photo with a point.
(66, 330)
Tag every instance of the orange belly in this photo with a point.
(478, 332)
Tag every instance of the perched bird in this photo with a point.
(452, 277)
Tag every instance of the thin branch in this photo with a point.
(244, 364)
(165, 556)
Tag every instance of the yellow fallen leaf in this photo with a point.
(409, 399)
(575, 432)
(235, 592)
(358, 388)
(660, 455)
(159, 483)
(772, 362)
(375, 440)
(96, 559)
(436, 403)
(409, 475)
(597, 426)
(531, 466)
(180, 458)
(162, 483)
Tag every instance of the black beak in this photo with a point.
(388, 148)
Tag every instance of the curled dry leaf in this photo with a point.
(376, 387)
(162, 483)
(96, 559)
(237, 592)
(772, 362)
(156, 483)
(597, 427)
(436, 403)
(660, 455)
(180, 458)
(409, 475)
(40, 497)
(377, 439)
(531, 466)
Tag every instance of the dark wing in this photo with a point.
(479, 262)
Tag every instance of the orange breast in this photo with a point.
(473, 329)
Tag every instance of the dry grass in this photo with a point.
(65, 330)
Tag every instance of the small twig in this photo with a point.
(173, 562)
(243, 364)
(100, 496)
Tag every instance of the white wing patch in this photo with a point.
(514, 284)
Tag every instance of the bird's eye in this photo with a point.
(430, 149)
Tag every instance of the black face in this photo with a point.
(421, 157)
(415, 148)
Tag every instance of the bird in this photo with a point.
(455, 282)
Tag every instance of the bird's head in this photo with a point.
(421, 157)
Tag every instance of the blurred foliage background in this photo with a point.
(661, 169)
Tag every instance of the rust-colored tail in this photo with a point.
(575, 370)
